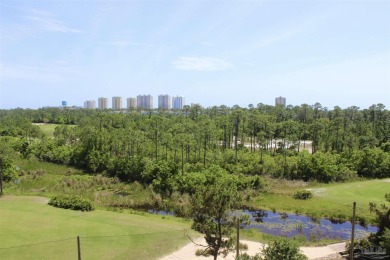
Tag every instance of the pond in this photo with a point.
(283, 224)
(289, 225)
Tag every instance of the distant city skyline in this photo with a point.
(214, 53)
(145, 102)
(178, 102)
(280, 101)
(90, 104)
(141, 101)
(164, 101)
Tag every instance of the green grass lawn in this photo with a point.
(31, 222)
(48, 129)
(331, 200)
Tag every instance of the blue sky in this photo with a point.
(211, 52)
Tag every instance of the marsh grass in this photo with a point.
(301, 240)
(46, 179)
(332, 201)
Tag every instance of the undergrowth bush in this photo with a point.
(245, 256)
(71, 202)
(303, 195)
(282, 249)
(243, 246)
(204, 252)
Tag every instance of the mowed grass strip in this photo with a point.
(104, 234)
(331, 200)
(48, 129)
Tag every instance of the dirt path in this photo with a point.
(188, 251)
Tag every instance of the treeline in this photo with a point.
(297, 142)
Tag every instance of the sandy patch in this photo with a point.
(41, 200)
(317, 191)
(188, 251)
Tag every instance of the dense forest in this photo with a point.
(297, 142)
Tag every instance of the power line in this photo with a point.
(129, 235)
(44, 242)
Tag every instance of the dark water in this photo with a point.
(289, 225)
(161, 212)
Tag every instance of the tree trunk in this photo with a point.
(204, 151)
(156, 136)
(261, 154)
(182, 158)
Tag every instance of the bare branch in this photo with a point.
(207, 247)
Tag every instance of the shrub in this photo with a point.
(385, 241)
(9, 170)
(303, 195)
(245, 256)
(243, 246)
(360, 244)
(282, 249)
(71, 202)
(204, 252)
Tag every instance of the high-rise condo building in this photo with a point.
(281, 101)
(102, 103)
(145, 101)
(178, 102)
(164, 102)
(116, 103)
(90, 104)
(131, 102)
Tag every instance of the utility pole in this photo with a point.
(238, 239)
(353, 232)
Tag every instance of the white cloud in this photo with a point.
(201, 64)
(122, 43)
(261, 42)
(273, 39)
(208, 44)
(49, 73)
(46, 21)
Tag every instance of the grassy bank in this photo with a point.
(329, 200)
(29, 228)
(47, 179)
(48, 129)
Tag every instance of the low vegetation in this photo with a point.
(71, 202)
(303, 195)
(282, 248)
(382, 237)
(329, 200)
